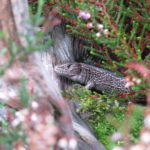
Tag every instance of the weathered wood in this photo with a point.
(66, 48)
(14, 21)
(7, 23)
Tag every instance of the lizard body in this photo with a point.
(93, 77)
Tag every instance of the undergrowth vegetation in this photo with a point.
(115, 35)
(108, 116)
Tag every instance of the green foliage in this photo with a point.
(128, 25)
(107, 115)
(24, 94)
(123, 20)
(135, 123)
(8, 134)
(20, 52)
(127, 41)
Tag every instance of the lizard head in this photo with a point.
(69, 70)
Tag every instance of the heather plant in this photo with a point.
(107, 116)
(117, 34)
(25, 121)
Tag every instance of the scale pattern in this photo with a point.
(97, 78)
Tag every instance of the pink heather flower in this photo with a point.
(34, 105)
(118, 148)
(88, 16)
(116, 136)
(129, 84)
(21, 115)
(147, 147)
(22, 112)
(4, 96)
(20, 148)
(98, 34)
(63, 143)
(15, 122)
(137, 81)
(81, 14)
(72, 144)
(89, 25)
(145, 137)
(106, 31)
(12, 94)
(49, 119)
(84, 15)
(100, 26)
(34, 117)
(137, 147)
(147, 122)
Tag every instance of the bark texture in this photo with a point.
(38, 71)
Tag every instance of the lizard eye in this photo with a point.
(68, 66)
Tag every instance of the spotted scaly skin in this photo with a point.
(92, 77)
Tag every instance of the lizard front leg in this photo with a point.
(90, 85)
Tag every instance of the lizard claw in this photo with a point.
(90, 85)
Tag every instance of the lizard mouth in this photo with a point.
(61, 71)
(68, 69)
(58, 70)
